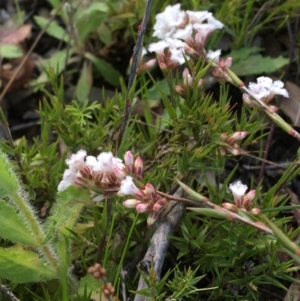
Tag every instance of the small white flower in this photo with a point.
(277, 88)
(238, 189)
(96, 197)
(168, 21)
(198, 16)
(265, 87)
(158, 47)
(184, 33)
(214, 55)
(128, 187)
(77, 160)
(107, 163)
(69, 178)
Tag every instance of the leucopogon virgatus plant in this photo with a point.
(182, 37)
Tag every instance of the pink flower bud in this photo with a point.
(233, 151)
(163, 66)
(150, 192)
(200, 82)
(187, 78)
(250, 195)
(131, 203)
(129, 160)
(152, 218)
(230, 207)
(148, 65)
(273, 109)
(223, 136)
(190, 51)
(143, 207)
(248, 198)
(139, 168)
(159, 204)
(255, 211)
(119, 173)
(179, 90)
(238, 136)
(200, 38)
(228, 62)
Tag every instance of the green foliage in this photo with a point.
(13, 226)
(246, 62)
(211, 256)
(20, 265)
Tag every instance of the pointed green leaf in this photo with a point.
(84, 83)
(110, 74)
(21, 265)
(13, 227)
(258, 64)
(9, 184)
(53, 30)
(210, 212)
(10, 51)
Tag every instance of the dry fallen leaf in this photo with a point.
(7, 70)
(18, 35)
(291, 106)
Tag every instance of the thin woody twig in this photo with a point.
(135, 58)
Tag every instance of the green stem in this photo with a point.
(125, 250)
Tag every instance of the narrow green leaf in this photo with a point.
(13, 227)
(53, 30)
(84, 83)
(209, 212)
(10, 51)
(21, 265)
(192, 193)
(282, 238)
(110, 74)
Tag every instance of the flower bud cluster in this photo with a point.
(102, 175)
(107, 176)
(145, 200)
(265, 89)
(181, 32)
(241, 200)
(187, 83)
(229, 144)
(222, 64)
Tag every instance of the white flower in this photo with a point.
(214, 55)
(96, 197)
(168, 21)
(77, 160)
(107, 163)
(176, 48)
(158, 47)
(265, 87)
(184, 33)
(198, 16)
(69, 178)
(277, 88)
(238, 189)
(128, 187)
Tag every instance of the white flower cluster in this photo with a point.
(265, 87)
(174, 27)
(95, 173)
(107, 176)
